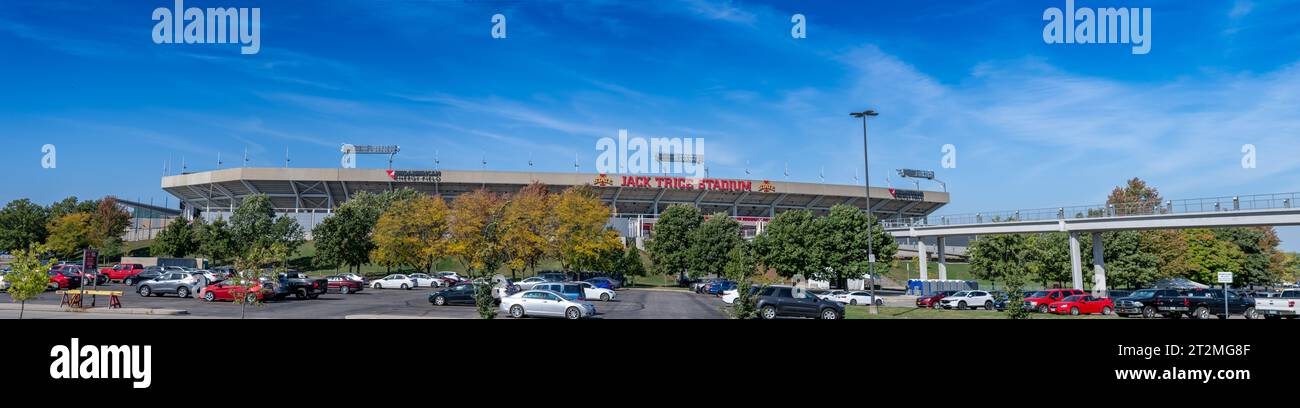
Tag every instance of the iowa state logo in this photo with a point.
(603, 180)
(767, 187)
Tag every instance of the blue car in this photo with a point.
(723, 286)
(603, 283)
(570, 291)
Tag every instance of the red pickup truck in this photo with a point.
(1040, 300)
(122, 271)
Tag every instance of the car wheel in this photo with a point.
(183, 292)
(1251, 314)
(1202, 312)
(379, 285)
(1105, 310)
(145, 291)
(961, 305)
(1042, 308)
(300, 294)
(209, 297)
(517, 311)
(1149, 312)
(768, 312)
(573, 314)
(404, 286)
(604, 297)
(345, 290)
(988, 305)
(1074, 311)
(440, 301)
(830, 314)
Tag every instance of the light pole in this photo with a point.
(866, 165)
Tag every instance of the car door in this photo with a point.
(548, 304)
(806, 305)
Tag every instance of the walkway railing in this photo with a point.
(1188, 206)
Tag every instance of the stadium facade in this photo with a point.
(310, 194)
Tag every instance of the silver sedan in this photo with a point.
(545, 303)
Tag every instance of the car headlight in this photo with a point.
(1137, 303)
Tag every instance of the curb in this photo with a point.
(99, 310)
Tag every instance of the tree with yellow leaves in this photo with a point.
(412, 232)
(69, 234)
(581, 237)
(527, 226)
(474, 231)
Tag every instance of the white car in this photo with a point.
(968, 299)
(528, 284)
(856, 298)
(545, 303)
(3, 285)
(453, 276)
(397, 281)
(425, 280)
(831, 295)
(730, 296)
(590, 291)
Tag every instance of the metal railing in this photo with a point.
(1186, 206)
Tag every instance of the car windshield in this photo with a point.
(959, 294)
(1039, 294)
(1142, 294)
(1075, 298)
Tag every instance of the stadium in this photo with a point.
(310, 195)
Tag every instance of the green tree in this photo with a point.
(788, 245)
(22, 224)
(1207, 255)
(344, 238)
(712, 243)
(216, 242)
(27, 280)
(632, 265)
(70, 206)
(107, 224)
(69, 235)
(288, 233)
(177, 240)
(1264, 264)
(670, 243)
(252, 271)
(841, 248)
(253, 223)
(1050, 262)
(1127, 264)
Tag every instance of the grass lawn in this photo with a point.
(904, 270)
(860, 312)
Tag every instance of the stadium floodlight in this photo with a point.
(389, 150)
(866, 165)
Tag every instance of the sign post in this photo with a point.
(1225, 278)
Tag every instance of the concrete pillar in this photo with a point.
(920, 255)
(1076, 267)
(1098, 267)
(943, 263)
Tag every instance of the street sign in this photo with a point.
(1225, 277)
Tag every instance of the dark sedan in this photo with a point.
(785, 301)
(460, 294)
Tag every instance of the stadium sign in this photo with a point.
(685, 183)
(908, 195)
(415, 176)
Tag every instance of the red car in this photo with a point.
(226, 290)
(932, 300)
(122, 271)
(64, 278)
(342, 284)
(1082, 304)
(1041, 300)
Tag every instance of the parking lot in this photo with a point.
(396, 303)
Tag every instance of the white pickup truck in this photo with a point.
(1283, 305)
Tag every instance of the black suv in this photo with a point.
(780, 301)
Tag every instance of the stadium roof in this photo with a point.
(323, 189)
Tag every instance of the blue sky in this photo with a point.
(1035, 125)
